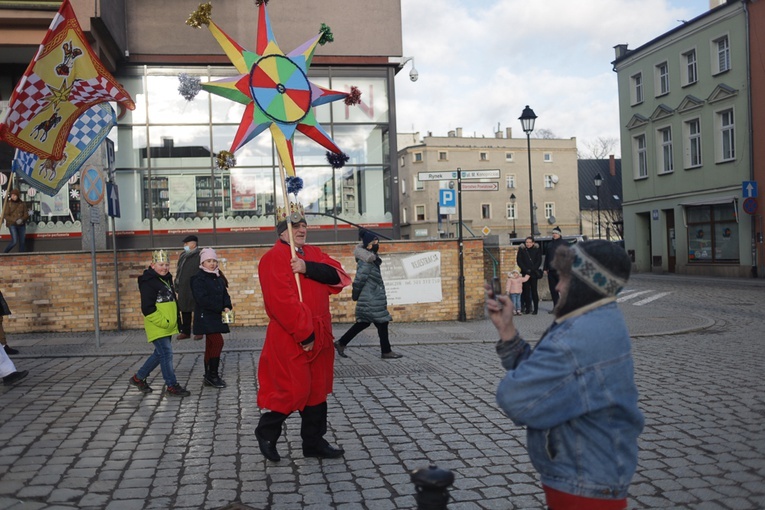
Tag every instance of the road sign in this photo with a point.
(436, 176)
(480, 174)
(92, 186)
(113, 200)
(109, 154)
(480, 186)
(447, 201)
(750, 205)
(749, 189)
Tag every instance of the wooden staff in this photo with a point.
(283, 173)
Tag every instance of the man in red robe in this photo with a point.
(296, 367)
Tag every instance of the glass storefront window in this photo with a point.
(713, 234)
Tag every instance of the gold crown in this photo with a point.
(159, 256)
(296, 213)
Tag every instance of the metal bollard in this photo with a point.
(431, 486)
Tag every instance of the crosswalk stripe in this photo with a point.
(631, 296)
(652, 298)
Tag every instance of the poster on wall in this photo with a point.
(57, 205)
(243, 194)
(182, 193)
(412, 278)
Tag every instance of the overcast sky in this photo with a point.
(481, 61)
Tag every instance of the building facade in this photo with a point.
(685, 101)
(495, 196)
(165, 166)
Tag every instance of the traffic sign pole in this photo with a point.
(462, 316)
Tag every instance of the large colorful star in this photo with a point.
(275, 88)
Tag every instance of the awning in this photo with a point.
(711, 201)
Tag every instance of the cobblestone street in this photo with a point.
(75, 435)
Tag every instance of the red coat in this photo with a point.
(290, 378)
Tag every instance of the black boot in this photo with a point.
(15, 377)
(211, 374)
(312, 430)
(267, 433)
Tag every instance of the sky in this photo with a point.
(480, 62)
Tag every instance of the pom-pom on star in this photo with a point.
(201, 16)
(337, 160)
(74, 193)
(294, 184)
(226, 160)
(189, 86)
(354, 97)
(326, 35)
(259, 2)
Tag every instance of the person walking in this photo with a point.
(295, 372)
(188, 266)
(575, 390)
(210, 289)
(549, 270)
(370, 297)
(16, 214)
(529, 259)
(5, 310)
(514, 289)
(160, 321)
(8, 370)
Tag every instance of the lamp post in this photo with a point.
(527, 119)
(598, 181)
(512, 201)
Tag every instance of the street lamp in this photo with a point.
(512, 201)
(598, 181)
(527, 119)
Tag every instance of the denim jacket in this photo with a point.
(575, 392)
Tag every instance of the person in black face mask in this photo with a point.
(370, 297)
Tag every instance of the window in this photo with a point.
(403, 161)
(549, 181)
(637, 88)
(509, 157)
(485, 211)
(419, 212)
(417, 157)
(662, 79)
(510, 180)
(403, 186)
(511, 211)
(548, 157)
(693, 141)
(665, 154)
(640, 151)
(442, 156)
(713, 234)
(483, 156)
(549, 210)
(727, 148)
(691, 71)
(404, 216)
(722, 50)
(417, 183)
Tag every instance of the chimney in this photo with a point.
(167, 142)
(459, 132)
(620, 50)
(451, 134)
(498, 134)
(612, 165)
(509, 132)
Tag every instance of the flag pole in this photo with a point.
(282, 173)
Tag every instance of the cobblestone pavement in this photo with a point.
(75, 435)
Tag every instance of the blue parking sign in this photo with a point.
(447, 201)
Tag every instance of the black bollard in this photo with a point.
(432, 487)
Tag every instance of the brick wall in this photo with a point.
(54, 292)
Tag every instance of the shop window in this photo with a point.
(713, 234)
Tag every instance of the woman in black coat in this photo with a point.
(210, 290)
(529, 259)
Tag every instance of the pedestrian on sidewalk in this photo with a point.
(210, 290)
(575, 390)
(8, 370)
(529, 259)
(514, 289)
(296, 367)
(16, 214)
(549, 270)
(370, 297)
(160, 321)
(188, 266)
(5, 310)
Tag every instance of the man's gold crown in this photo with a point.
(296, 213)
(159, 256)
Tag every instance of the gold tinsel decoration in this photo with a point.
(201, 16)
(225, 160)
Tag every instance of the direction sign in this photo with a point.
(436, 176)
(92, 186)
(480, 186)
(113, 200)
(749, 189)
(480, 174)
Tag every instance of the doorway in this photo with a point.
(671, 254)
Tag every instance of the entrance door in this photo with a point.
(670, 215)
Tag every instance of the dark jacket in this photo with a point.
(160, 312)
(529, 259)
(369, 288)
(188, 265)
(4, 310)
(211, 297)
(550, 253)
(15, 211)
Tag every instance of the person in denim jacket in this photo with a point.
(575, 391)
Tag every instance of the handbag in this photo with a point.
(537, 273)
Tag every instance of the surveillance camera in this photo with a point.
(413, 74)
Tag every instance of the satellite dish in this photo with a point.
(551, 220)
(554, 179)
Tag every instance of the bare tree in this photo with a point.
(546, 134)
(600, 148)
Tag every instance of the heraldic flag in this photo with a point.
(62, 82)
(50, 175)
